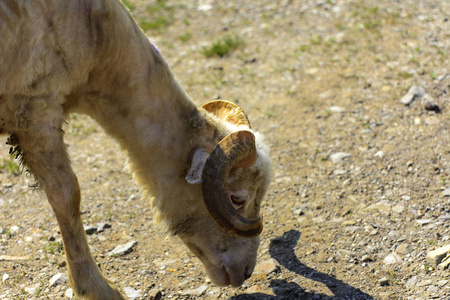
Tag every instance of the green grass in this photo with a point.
(159, 16)
(9, 165)
(185, 37)
(223, 46)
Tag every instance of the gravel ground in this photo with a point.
(360, 191)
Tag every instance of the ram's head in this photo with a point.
(234, 177)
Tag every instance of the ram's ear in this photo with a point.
(194, 175)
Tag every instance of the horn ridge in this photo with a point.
(228, 111)
(236, 149)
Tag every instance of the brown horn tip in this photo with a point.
(228, 111)
(236, 149)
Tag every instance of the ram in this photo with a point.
(205, 167)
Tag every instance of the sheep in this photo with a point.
(206, 170)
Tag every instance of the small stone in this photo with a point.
(403, 249)
(162, 264)
(398, 208)
(379, 154)
(413, 93)
(68, 293)
(31, 290)
(383, 281)
(154, 294)
(366, 258)
(339, 156)
(444, 263)
(349, 222)
(412, 281)
(424, 221)
(102, 226)
(430, 104)
(14, 229)
(392, 258)
(196, 292)
(89, 229)
(29, 239)
(267, 266)
(5, 277)
(132, 293)
(123, 249)
(336, 109)
(58, 279)
(446, 193)
(382, 206)
(436, 256)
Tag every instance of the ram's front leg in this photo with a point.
(45, 156)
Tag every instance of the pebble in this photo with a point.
(424, 221)
(58, 279)
(102, 226)
(336, 109)
(446, 193)
(412, 281)
(31, 290)
(379, 154)
(69, 293)
(267, 266)
(436, 256)
(383, 281)
(382, 206)
(132, 293)
(154, 294)
(123, 249)
(14, 229)
(196, 292)
(392, 258)
(403, 249)
(366, 258)
(429, 103)
(413, 93)
(339, 156)
(5, 277)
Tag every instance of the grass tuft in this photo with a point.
(223, 46)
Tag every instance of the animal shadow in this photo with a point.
(282, 250)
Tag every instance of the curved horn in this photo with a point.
(228, 111)
(235, 150)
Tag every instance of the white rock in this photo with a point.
(196, 292)
(69, 293)
(424, 221)
(435, 257)
(413, 93)
(446, 192)
(31, 290)
(379, 154)
(429, 103)
(5, 277)
(14, 229)
(339, 156)
(392, 258)
(132, 293)
(337, 109)
(58, 279)
(123, 249)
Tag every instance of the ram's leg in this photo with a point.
(44, 154)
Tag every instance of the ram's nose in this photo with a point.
(237, 275)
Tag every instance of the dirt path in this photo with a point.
(359, 192)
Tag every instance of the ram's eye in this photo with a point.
(238, 201)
